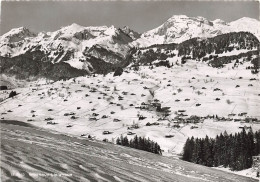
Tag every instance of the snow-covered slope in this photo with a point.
(16, 35)
(32, 154)
(185, 89)
(181, 27)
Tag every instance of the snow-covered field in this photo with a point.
(35, 154)
(246, 172)
(79, 106)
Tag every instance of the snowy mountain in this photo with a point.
(102, 49)
(79, 39)
(72, 43)
(16, 35)
(179, 28)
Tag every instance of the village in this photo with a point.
(144, 103)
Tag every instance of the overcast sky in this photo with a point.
(140, 16)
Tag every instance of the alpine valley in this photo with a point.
(189, 77)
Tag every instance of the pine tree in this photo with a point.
(187, 152)
(250, 148)
(118, 142)
(226, 149)
(140, 143)
(122, 140)
(195, 154)
(125, 141)
(217, 150)
(135, 142)
(208, 150)
(234, 151)
(257, 143)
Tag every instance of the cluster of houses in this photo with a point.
(155, 105)
(192, 119)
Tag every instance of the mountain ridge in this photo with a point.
(79, 46)
(179, 28)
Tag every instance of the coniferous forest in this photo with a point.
(234, 151)
(140, 143)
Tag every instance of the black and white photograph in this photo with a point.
(129, 91)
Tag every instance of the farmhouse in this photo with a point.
(169, 136)
(242, 114)
(106, 132)
(130, 133)
(116, 120)
(93, 119)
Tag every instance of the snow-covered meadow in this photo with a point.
(93, 104)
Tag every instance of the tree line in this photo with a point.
(140, 143)
(219, 44)
(234, 151)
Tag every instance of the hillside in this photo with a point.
(58, 157)
(216, 51)
(190, 95)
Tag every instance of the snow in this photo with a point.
(179, 28)
(232, 53)
(31, 153)
(111, 31)
(168, 85)
(246, 172)
(219, 21)
(75, 63)
(73, 38)
(76, 38)
(16, 35)
(242, 99)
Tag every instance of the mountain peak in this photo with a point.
(185, 17)
(19, 30)
(73, 27)
(219, 21)
(112, 30)
(179, 28)
(246, 19)
(178, 17)
(17, 34)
